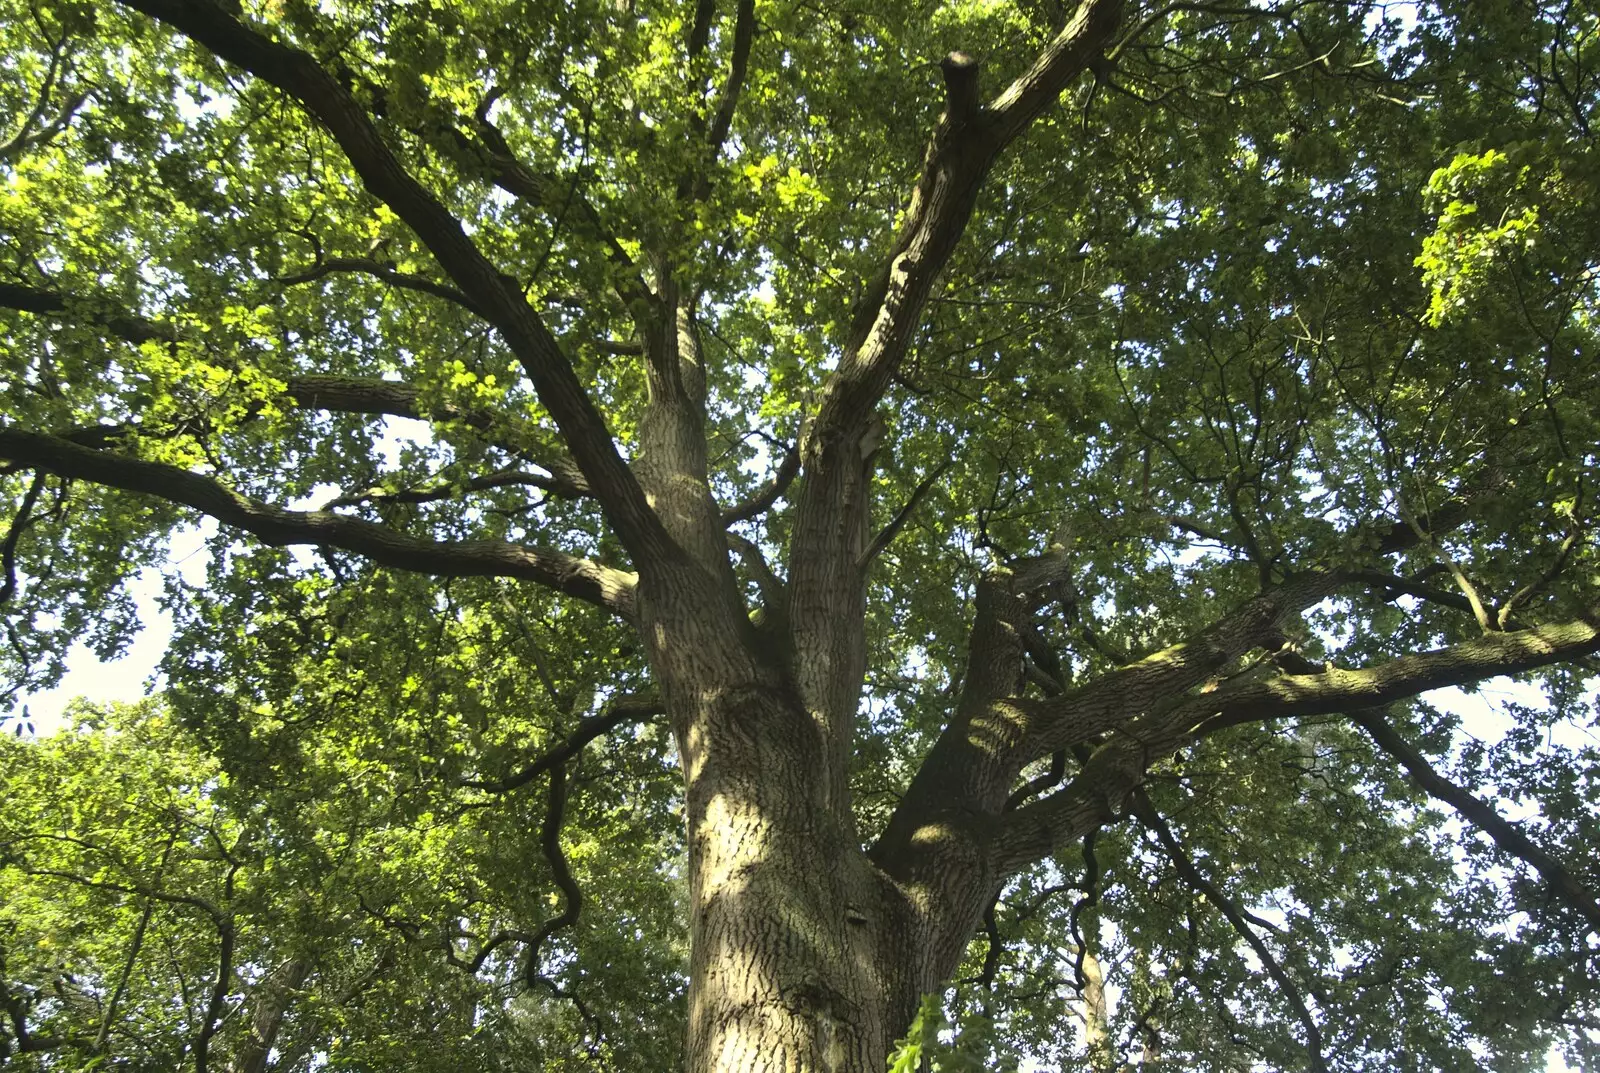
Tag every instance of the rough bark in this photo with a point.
(808, 953)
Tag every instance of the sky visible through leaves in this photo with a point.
(134, 675)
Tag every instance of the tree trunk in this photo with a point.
(803, 959)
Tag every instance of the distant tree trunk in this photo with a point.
(271, 1001)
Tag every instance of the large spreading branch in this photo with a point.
(580, 578)
(1338, 690)
(49, 303)
(1118, 765)
(1116, 700)
(330, 103)
(339, 394)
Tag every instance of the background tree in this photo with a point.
(1017, 451)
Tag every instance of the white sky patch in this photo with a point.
(131, 676)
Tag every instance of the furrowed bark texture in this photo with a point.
(809, 953)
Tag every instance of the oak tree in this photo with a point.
(938, 501)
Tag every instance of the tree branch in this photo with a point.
(959, 157)
(385, 273)
(340, 394)
(553, 195)
(619, 712)
(1503, 617)
(44, 302)
(272, 997)
(769, 494)
(432, 493)
(550, 842)
(961, 86)
(17, 1008)
(1080, 41)
(1337, 690)
(368, 395)
(1117, 696)
(831, 517)
(580, 578)
(216, 1005)
(8, 547)
(1393, 586)
(326, 99)
(1507, 835)
(744, 35)
(773, 594)
(26, 136)
(1118, 765)
(887, 534)
(705, 12)
(1147, 814)
(1470, 591)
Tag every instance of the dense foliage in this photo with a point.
(1271, 289)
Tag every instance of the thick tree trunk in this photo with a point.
(803, 958)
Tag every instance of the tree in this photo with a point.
(160, 914)
(1016, 449)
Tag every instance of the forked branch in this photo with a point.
(963, 149)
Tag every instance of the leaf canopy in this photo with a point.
(1274, 281)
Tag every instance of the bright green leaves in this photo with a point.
(934, 1045)
(1480, 201)
(325, 822)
